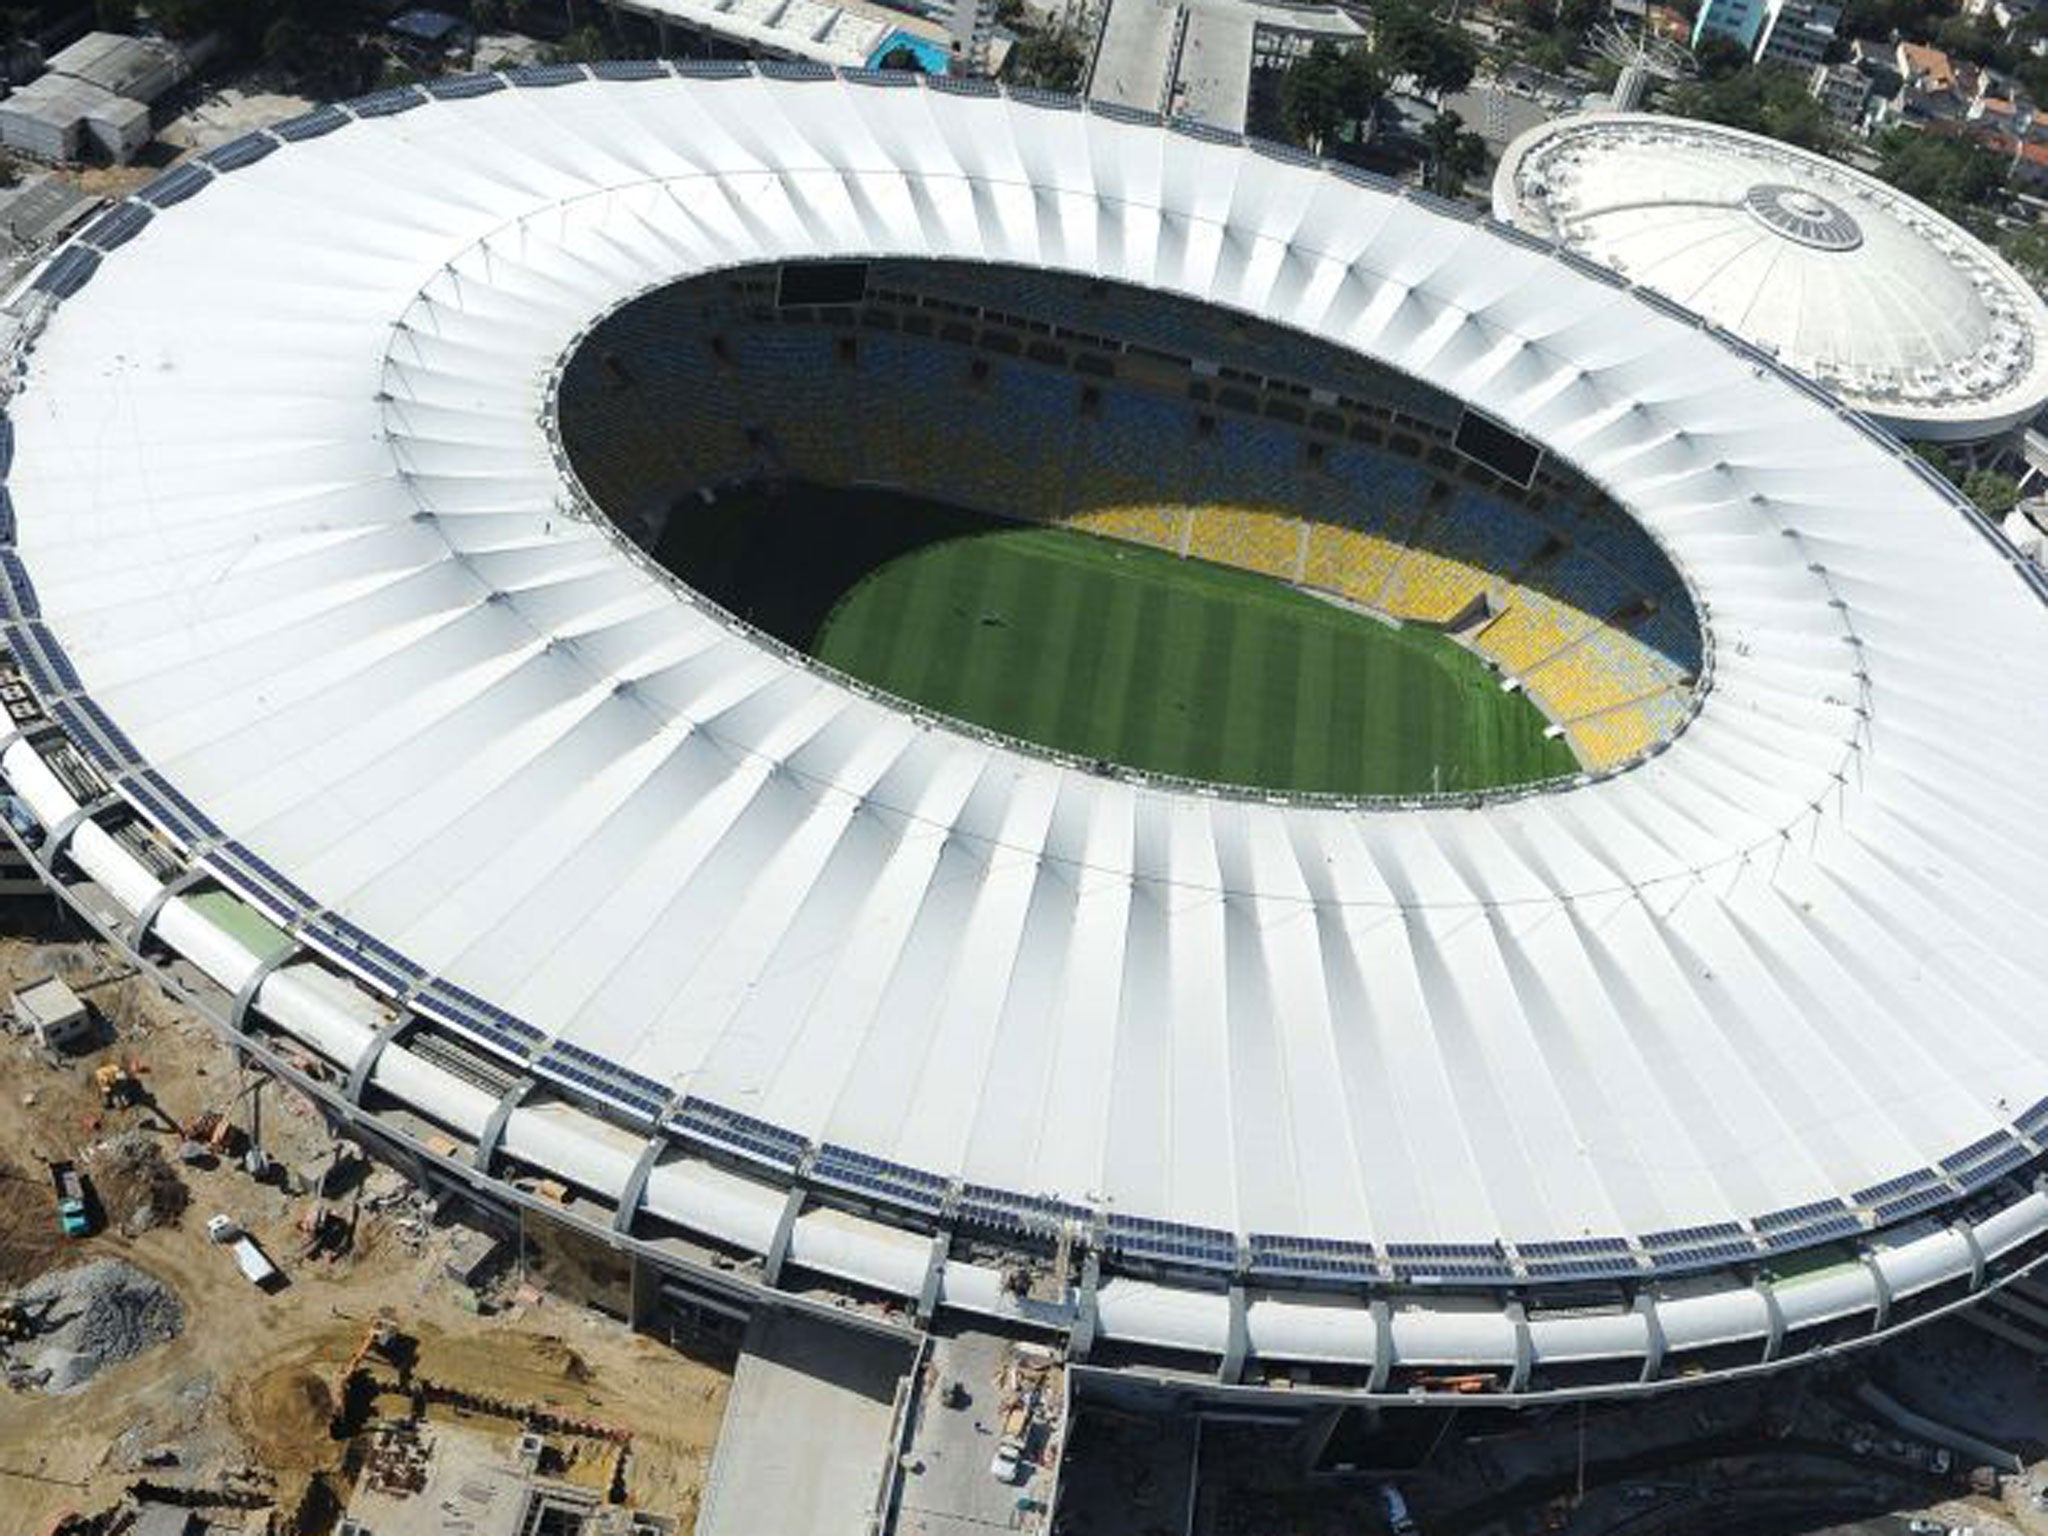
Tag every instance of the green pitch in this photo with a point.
(1110, 650)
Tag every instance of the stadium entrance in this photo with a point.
(1130, 528)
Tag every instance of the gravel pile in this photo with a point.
(91, 1317)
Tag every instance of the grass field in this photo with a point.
(1110, 650)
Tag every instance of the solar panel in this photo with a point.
(873, 1175)
(69, 270)
(1116, 112)
(1423, 1263)
(1898, 1207)
(1464, 213)
(2034, 1120)
(630, 69)
(237, 153)
(621, 1089)
(1322, 1258)
(1826, 1229)
(1289, 154)
(1054, 101)
(176, 184)
(464, 87)
(1008, 1210)
(1208, 133)
(310, 125)
(1878, 1193)
(6, 444)
(1686, 1237)
(21, 592)
(1796, 1215)
(400, 98)
(1976, 1151)
(714, 69)
(7, 526)
(1703, 1256)
(953, 85)
(2002, 1162)
(118, 225)
(1667, 306)
(792, 69)
(1171, 1242)
(542, 75)
(702, 1120)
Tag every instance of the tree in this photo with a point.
(114, 15)
(1771, 102)
(901, 57)
(585, 45)
(1953, 175)
(1994, 494)
(1408, 40)
(1328, 90)
(1454, 153)
(2027, 249)
(1720, 57)
(1052, 60)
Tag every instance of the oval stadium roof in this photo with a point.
(1901, 312)
(313, 587)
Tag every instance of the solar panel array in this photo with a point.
(449, 1004)
(69, 270)
(118, 225)
(1171, 1242)
(463, 87)
(638, 1094)
(1702, 1247)
(310, 125)
(176, 184)
(1435, 1263)
(544, 75)
(1001, 1210)
(361, 951)
(1578, 1258)
(1983, 1162)
(400, 98)
(238, 153)
(701, 1120)
(1802, 1226)
(1281, 1257)
(871, 1175)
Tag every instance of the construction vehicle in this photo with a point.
(72, 1214)
(117, 1083)
(258, 1270)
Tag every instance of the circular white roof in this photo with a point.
(287, 506)
(1880, 299)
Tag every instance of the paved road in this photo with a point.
(806, 1434)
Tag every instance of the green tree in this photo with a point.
(1953, 175)
(1994, 494)
(1408, 40)
(1052, 60)
(2027, 249)
(1771, 102)
(585, 45)
(1327, 91)
(114, 15)
(1454, 153)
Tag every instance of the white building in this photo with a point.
(1879, 299)
(1328, 1094)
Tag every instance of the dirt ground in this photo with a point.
(250, 1385)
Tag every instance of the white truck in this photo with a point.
(259, 1271)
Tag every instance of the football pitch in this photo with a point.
(1113, 651)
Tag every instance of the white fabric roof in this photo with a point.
(286, 498)
(1892, 306)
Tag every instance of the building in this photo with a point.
(542, 869)
(1747, 230)
(94, 101)
(1796, 33)
(1739, 21)
(1844, 90)
(52, 1012)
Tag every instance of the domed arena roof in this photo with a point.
(297, 565)
(1886, 303)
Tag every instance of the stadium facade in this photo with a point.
(1892, 307)
(341, 704)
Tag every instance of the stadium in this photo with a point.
(610, 625)
(1898, 311)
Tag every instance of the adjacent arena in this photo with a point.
(1897, 310)
(349, 695)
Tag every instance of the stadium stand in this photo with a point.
(1139, 417)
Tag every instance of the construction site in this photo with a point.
(216, 1317)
